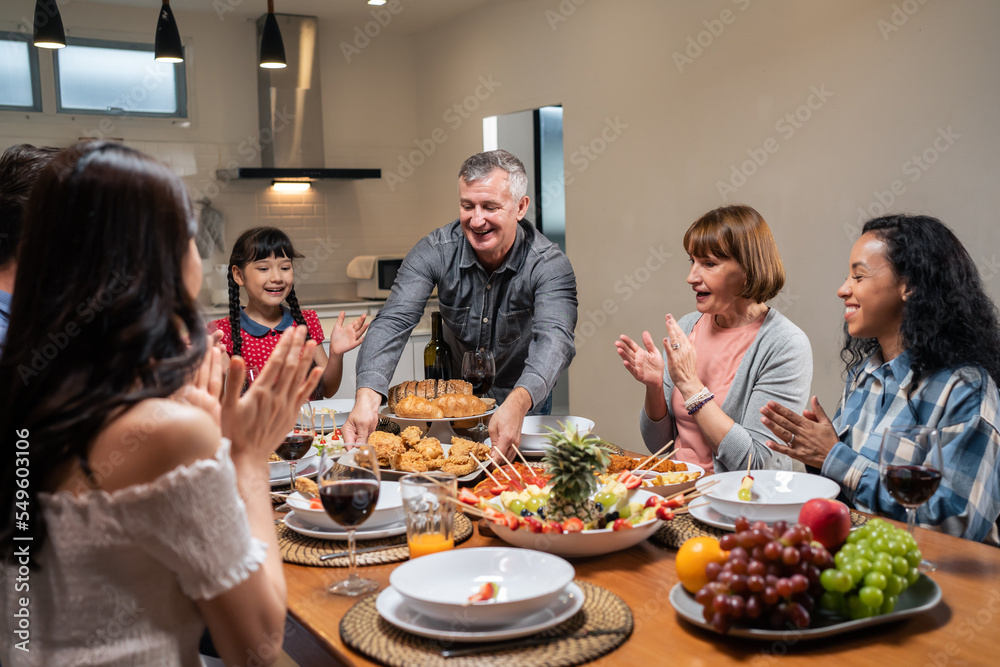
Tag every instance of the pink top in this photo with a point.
(720, 352)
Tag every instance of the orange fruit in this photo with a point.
(692, 558)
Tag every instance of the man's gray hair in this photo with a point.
(481, 165)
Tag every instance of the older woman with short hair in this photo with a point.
(725, 361)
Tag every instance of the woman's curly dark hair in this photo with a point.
(948, 319)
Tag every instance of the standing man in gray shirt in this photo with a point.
(501, 285)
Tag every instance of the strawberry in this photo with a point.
(552, 527)
(315, 504)
(623, 475)
(468, 497)
(621, 524)
(674, 503)
(533, 524)
(632, 482)
(513, 520)
(653, 501)
(573, 525)
(485, 593)
(663, 513)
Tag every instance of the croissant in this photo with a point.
(460, 405)
(414, 407)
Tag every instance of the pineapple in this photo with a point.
(573, 460)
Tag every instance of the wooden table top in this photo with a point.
(961, 630)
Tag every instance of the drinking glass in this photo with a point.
(299, 441)
(479, 369)
(348, 488)
(430, 514)
(911, 465)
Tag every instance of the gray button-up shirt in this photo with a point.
(525, 311)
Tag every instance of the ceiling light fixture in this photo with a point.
(377, 3)
(168, 47)
(49, 33)
(272, 48)
(290, 186)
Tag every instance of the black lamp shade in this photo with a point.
(272, 48)
(49, 32)
(168, 40)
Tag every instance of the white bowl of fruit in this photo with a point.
(773, 494)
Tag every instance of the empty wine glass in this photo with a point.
(911, 465)
(349, 488)
(479, 369)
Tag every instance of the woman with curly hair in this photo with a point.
(145, 515)
(922, 348)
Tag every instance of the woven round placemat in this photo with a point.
(681, 528)
(302, 550)
(365, 631)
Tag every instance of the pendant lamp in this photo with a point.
(168, 46)
(49, 33)
(272, 48)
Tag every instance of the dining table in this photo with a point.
(963, 629)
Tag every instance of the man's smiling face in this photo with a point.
(489, 217)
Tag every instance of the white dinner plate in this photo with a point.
(300, 471)
(301, 527)
(916, 599)
(704, 512)
(393, 608)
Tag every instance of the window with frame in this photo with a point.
(106, 77)
(20, 87)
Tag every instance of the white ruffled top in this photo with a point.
(120, 571)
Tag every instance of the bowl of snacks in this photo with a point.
(681, 478)
(773, 494)
(535, 430)
(487, 586)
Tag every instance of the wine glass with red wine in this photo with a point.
(299, 441)
(479, 369)
(348, 488)
(911, 467)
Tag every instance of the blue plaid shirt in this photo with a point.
(962, 403)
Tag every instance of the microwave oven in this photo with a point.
(375, 274)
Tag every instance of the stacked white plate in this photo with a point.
(535, 430)
(775, 495)
(429, 596)
(279, 471)
(386, 520)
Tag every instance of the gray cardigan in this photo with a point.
(777, 367)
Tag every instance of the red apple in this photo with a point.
(829, 520)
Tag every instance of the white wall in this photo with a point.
(660, 139)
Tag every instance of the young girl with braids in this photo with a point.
(261, 263)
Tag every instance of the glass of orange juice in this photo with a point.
(430, 516)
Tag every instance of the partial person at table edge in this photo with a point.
(723, 362)
(921, 348)
(501, 286)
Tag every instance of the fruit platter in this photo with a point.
(568, 508)
(816, 577)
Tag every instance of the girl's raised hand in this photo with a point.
(346, 338)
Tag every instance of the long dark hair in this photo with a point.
(253, 244)
(948, 319)
(101, 318)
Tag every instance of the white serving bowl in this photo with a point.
(280, 469)
(535, 435)
(439, 585)
(668, 489)
(388, 510)
(775, 495)
(329, 409)
(585, 543)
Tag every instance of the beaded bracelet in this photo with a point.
(701, 405)
(697, 398)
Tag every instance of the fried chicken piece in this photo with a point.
(620, 463)
(410, 461)
(386, 447)
(668, 466)
(435, 464)
(464, 447)
(306, 486)
(429, 448)
(459, 465)
(411, 435)
(273, 458)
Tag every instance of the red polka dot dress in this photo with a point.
(258, 340)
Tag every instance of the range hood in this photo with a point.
(290, 108)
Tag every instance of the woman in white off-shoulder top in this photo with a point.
(144, 515)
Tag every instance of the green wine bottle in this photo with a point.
(437, 353)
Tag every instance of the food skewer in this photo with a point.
(482, 467)
(700, 491)
(517, 450)
(511, 467)
(653, 456)
(504, 472)
(747, 482)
